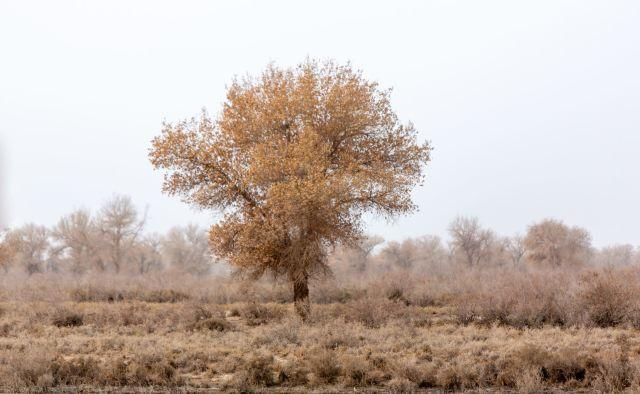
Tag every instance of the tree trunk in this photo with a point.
(301, 297)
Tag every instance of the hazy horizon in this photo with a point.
(532, 107)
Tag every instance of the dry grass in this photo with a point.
(524, 332)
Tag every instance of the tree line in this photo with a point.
(111, 240)
(548, 243)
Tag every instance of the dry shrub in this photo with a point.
(355, 370)
(257, 314)
(204, 319)
(280, 334)
(157, 372)
(257, 371)
(30, 367)
(74, 372)
(420, 374)
(293, 373)
(397, 294)
(519, 300)
(66, 318)
(608, 297)
(96, 294)
(329, 292)
(401, 386)
(212, 324)
(162, 296)
(324, 366)
(370, 312)
(615, 373)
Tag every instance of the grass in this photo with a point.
(471, 331)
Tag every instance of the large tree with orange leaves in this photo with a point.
(294, 160)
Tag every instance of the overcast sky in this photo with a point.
(533, 107)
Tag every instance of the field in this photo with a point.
(461, 331)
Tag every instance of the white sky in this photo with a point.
(533, 107)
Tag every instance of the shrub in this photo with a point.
(74, 372)
(203, 319)
(256, 371)
(257, 314)
(372, 313)
(324, 366)
(66, 318)
(606, 298)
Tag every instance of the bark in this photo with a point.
(301, 297)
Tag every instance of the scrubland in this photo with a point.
(459, 330)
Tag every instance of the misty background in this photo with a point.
(532, 107)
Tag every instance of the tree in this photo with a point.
(120, 229)
(616, 255)
(400, 254)
(355, 258)
(146, 254)
(186, 249)
(294, 160)
(551, 242)
(470, 240)
(515, 249)
(31, 247)
(6, 251)
(79, 241)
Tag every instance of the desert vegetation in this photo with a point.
(394, 316)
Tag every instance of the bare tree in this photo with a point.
(186, 249)
(615, 255)
(355, 258)
(515, 249)
(400, 254)
(470, 241)
(551, 242)
(79, 240)
(31, 245)
(146, 254)
(6, 251)
(120, 228)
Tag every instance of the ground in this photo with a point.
(173, 342)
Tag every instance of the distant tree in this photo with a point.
(294, 160)
(515, 249)
(186, 249)
(31, 247)
(551, 242)
(6, 251)
(146, 254)
(400, 254)
(79, 241)
(470, 241)
(354, 258)
(431, 252)
(120, 228)
(616, 255)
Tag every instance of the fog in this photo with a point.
(531, 107)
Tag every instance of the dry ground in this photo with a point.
(120, 336)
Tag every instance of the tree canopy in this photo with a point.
(293, 161)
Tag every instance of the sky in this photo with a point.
(533, 108)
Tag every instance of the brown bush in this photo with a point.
(257, 314)
(608, 297)
(74, 372)
(67, 318)
(325, 366)
(256, 372)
